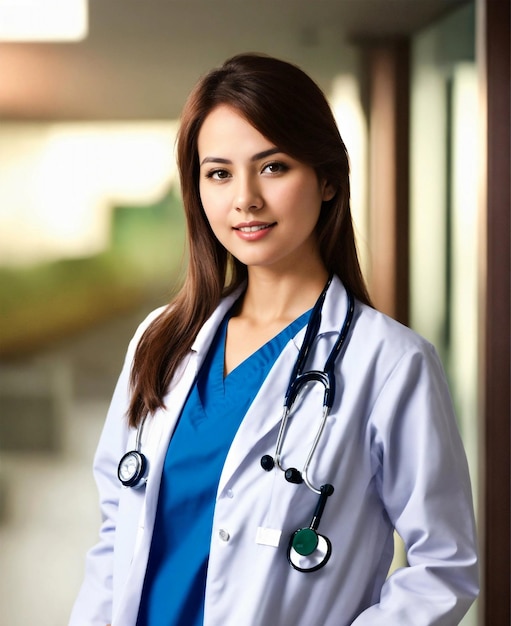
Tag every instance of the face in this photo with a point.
(262, 204)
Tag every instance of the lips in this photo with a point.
(253, 227)
(253, 231)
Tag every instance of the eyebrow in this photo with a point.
(255, 157)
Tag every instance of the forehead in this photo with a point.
(225, 128)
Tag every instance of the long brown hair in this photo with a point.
(289, 109)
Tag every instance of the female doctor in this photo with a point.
(270, 429)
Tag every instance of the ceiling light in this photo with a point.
(43, 20)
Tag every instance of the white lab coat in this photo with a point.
(392, 451)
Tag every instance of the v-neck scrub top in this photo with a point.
(174, 585)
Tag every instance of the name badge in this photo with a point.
(268, 537)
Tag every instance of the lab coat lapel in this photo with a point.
(265, 413)
(159, 433)
(166, 419)
(160, 429)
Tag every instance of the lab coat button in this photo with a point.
(230, 493)
(224, 535)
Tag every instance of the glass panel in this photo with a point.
(444, 192)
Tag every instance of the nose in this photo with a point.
(248, 196)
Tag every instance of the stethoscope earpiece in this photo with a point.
(267, 463)
(292, 475)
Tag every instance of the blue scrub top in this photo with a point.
(175, 581)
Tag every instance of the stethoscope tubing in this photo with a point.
(310, 333)
(319, 433)
(140, 430)
(299, 380)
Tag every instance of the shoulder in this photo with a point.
(376, 344)
(390, 351)
(371, 329)
(398, 382)
(387, 332)
(143, 326)
(149, 319)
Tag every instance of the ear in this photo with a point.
(328, 191)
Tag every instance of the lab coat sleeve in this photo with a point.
(422, 476)
(93, 606)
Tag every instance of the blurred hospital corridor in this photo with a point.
(92, 230)
(50, 513)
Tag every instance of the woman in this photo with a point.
(204, 530)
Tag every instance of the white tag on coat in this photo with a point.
(268, 536)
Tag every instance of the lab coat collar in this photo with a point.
(205, 335)
(332, 314)
(334, 310)
(335, 307)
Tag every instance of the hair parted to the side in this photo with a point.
(288, 108)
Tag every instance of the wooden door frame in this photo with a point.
(494, 50)
(388, 64)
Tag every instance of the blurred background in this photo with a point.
(92, 232)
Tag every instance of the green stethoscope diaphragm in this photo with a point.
(305, 541)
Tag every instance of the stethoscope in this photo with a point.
(307, 549)
(133, 466)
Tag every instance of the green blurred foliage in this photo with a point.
(46, 301)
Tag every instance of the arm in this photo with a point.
(423, 481)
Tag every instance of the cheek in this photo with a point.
(306, 200)
(291, 197)
(203, 197)
(208, 205)
(214, 217)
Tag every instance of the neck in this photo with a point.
(271, 296)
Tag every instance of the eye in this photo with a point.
(218, 174)
(275, 167)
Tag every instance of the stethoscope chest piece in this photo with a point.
(305, 541)
(308, 551)
(132, 469)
